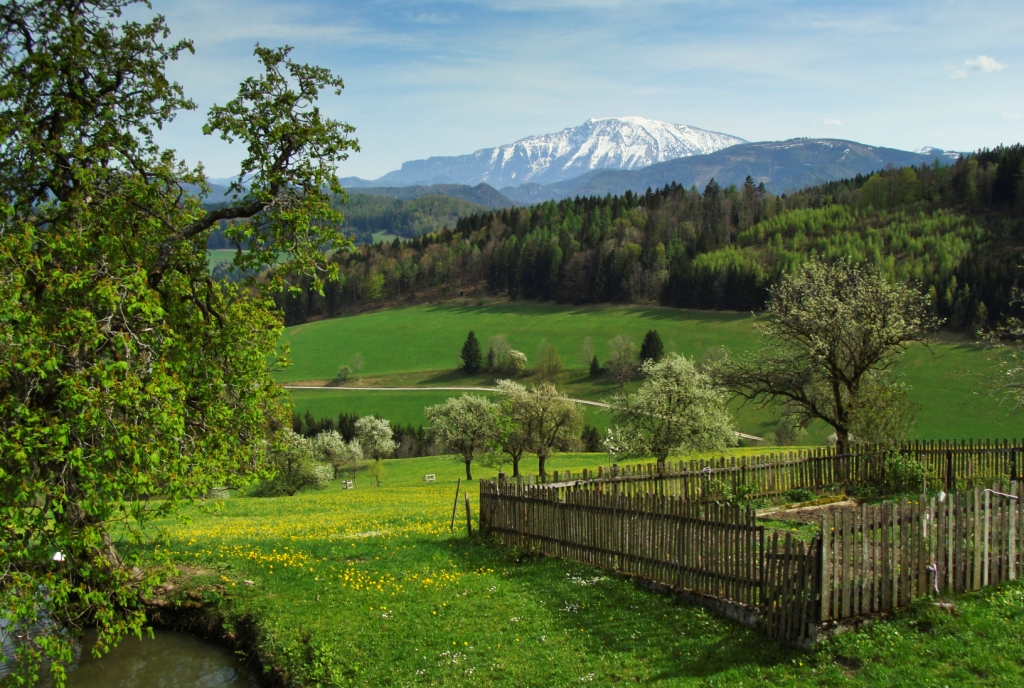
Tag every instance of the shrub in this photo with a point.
(800, 494)
(902, 473)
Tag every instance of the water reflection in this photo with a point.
(169, 660)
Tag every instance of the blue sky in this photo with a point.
(446, 78)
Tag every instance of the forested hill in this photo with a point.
(368, 214)
(956, 229)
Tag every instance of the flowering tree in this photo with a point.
(294, 461)
(548, 420)
(676, 408)
(464, 424)
(376, 439)
(332, 449)
(831, 330)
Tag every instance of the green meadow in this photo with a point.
(369, 587)
(419, 345)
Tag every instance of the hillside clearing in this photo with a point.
(419, 345)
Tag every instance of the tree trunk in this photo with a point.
(515, 466)
(842, 441)
(541, 458)
(468, 461)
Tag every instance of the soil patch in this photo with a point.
(810, 514)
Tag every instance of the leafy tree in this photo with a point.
(472, 357)
(621, 362)
(677, 408)
(586, 352)
(516, 362)
(549, 365)
(651, 349)
(376, 439)
(512, 420)
(829, 329)
(465, 424)
(357, 363)
(882, 414)
(295, 465)
(590, 439)
(125, 371)
(331, 448)
(549, 420)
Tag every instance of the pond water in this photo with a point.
(169, 660)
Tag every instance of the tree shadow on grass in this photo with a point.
(672, 639)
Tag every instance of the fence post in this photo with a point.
(950, 476)
(1013, 464)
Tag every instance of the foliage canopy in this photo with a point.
(829, 331)
(125, 372)
(676, 408)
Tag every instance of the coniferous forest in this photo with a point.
(958, 230)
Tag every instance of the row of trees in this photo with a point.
(678, 407)
(958, 230)
(831, 334)
(540, 420)
(307, 462)
(622, 364)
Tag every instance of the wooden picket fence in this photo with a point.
(711, 549)
(950, 465)
(865, 560)
(878, 558)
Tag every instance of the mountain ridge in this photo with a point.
(599, 143)
(783, 167)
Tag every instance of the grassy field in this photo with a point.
(367, 587)
(419, 345)
(219, 256)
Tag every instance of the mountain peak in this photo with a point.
(599, 143)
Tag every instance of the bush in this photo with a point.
(800, 494)
(590, 439)
(902, 474)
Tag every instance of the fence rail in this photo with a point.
(950, 465)
(711, 549)
(662, 527)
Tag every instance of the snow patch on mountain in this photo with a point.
(608, 143)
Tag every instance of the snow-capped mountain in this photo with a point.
(623, 143)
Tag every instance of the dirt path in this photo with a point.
(599, 404)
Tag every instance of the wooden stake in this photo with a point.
(469, 516)
(455, 505)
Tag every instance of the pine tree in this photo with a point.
(595, 367)
(652, 349)
(471, 355)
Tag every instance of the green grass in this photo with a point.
(367, 587)
(405, 408)
(419, 346)
(219, 256)
(379, 237)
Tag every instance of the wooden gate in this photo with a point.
(790, 605)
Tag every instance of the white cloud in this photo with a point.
(833, 122)
(981, 63)
(984, 63)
